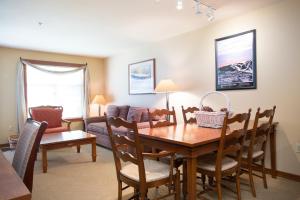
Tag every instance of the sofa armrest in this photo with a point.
(89, 120)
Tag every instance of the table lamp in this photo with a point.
(100, 100)
(166, 86)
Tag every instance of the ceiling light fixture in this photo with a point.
(199, 8)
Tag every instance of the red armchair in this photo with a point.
(52, 115)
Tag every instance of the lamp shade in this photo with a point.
(166, 85)
(99, 99)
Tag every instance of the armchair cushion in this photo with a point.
(56, 129)
(50, 115)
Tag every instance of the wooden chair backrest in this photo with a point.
(26, 150)
(126, 149)
(231, 141)
(260, 132)
(187, 111)
(162, 113)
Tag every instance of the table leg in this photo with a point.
(78, 148)
(94, 154)
(273, 151)
(184, 181)
(191, 178)
(44, 160)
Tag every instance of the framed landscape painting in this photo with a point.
(142, 77)
(236, 61)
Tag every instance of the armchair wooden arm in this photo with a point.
(67, 122)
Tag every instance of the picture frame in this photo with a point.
(235, 58)
(141, 77)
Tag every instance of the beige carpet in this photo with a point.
(73, 176)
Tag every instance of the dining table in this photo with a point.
(11, 185)
(192, 141)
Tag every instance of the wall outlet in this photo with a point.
(298, 147)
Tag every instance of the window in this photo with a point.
(48, 87)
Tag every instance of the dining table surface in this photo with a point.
(192, 141)
(11, 185)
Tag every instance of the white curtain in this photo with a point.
(21, 102)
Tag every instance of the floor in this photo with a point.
(74, 176)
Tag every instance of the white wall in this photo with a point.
(189, 60)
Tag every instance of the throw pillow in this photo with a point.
(123, 111)
(135, 114)
(112, 111)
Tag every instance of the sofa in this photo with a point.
(97, 125)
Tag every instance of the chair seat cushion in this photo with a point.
(254, 155)
(208, 162)
(57, 129)
(155, 170)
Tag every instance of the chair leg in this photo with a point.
(251, 182)
(119, 190)
(263, 171)
(238, 188)
(203, 178)
(219, 189)
(177, 185)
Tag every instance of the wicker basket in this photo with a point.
(212, 119)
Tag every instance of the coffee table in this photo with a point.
(64, 140)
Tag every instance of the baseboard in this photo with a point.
(290, 176)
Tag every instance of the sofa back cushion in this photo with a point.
(135, 114)
(123, 111)
(112, 111)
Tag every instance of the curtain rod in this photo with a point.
(52, 63)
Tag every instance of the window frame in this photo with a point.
(53, 64)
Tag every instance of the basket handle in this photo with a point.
(219, 93)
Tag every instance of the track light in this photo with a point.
(198, 7)
(210, 14)
(179, 4)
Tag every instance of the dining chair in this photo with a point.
(137, 169)
(161, 117)
(255, 146)
(219, 165)
(189, 110)
(26, 150)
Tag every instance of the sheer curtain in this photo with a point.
(51, 75)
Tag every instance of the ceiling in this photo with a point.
(103, 28)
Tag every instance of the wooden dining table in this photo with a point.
(192, 141)
(11, 185)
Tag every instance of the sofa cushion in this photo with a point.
(135, 114)
(99, 127)
(112, 111)
(123, 111)
(50, 115)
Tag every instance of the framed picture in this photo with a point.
(236, 61)
(141, 77)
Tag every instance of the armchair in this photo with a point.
(52, 115)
